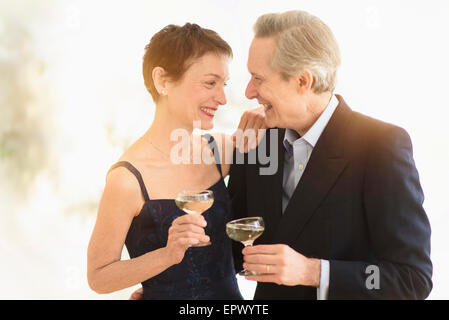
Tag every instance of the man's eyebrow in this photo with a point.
(255, 75)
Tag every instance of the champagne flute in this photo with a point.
(245, 230)
(195, 202)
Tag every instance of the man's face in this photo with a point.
(279, 96)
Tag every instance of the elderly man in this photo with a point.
(343, 212)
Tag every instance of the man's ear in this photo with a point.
(304, 81)
(160, 80)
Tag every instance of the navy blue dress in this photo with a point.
(205, 272)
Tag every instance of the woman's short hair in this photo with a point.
(174, 48)
(303, 41)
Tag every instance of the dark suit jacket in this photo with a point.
(358, 203)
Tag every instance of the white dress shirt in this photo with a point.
(297, 154)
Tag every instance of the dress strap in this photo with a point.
(214, 147)
(136, 172)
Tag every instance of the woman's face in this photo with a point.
(199, 93)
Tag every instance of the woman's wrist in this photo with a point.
(166, 257)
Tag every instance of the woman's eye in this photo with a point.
(211, 83)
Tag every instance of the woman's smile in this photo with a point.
(210, 112)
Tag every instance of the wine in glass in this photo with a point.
(195, 202)
(245, 230)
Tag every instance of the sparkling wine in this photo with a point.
(194, 207)
(245, 230)
(195, 203)
(244, 233)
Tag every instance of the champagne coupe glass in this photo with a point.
(195, 202)
(245, 230)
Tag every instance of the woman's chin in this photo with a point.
(203, 124)
(207, 125)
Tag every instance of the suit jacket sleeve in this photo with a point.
(398, 228)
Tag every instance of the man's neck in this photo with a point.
(316, 105)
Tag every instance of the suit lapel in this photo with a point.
(323, 168)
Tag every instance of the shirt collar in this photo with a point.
(314, 133)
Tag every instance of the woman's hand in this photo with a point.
(137, 295)
(251, 130)
(185, 231)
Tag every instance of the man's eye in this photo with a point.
(211, 83)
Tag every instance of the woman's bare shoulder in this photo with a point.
(121, 181)
(122, 186)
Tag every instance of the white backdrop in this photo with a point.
(72, 97)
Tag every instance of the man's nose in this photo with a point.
(250, 91)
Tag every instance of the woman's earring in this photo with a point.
(164, 92)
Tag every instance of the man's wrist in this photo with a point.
(315, 272)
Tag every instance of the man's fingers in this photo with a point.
(261, 268)
(266, 259)
(265, 278)
(264, 249)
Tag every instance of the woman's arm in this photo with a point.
(120, 203)
(248, 135)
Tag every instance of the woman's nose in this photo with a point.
(221, 97)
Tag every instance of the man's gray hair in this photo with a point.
(303, 41)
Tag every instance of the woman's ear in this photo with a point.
(304, 81)
(160, 80)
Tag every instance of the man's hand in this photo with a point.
(251, 130)
(282, 265)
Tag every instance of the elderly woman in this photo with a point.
(185, 70)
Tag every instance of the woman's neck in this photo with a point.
(164, 127)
